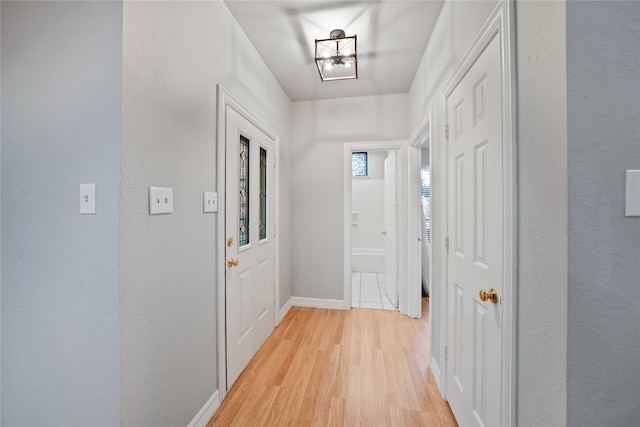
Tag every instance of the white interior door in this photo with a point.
(250, 212)
(475, 256)
(391, 245)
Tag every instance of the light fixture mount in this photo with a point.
(336, 57)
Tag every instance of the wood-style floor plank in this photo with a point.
(339, 368)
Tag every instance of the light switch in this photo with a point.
(632, 193)
(160, 200)
(87, 199)
(210, 201)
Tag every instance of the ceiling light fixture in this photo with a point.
(336, 57)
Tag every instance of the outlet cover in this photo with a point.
(210, 201)
(160, 200)
(632, 193)
(87, 199)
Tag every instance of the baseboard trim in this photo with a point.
(206, 412)
(284, 310)
(436, 374)
(332, 304)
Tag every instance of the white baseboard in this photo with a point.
(284, 310)
(206, 412)
(332, 304)
(436, 374)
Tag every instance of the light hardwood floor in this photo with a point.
(339, 368)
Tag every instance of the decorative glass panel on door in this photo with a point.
(243, 212)
(263, 194)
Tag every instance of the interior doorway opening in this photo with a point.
(407, 290)
(374, 218)
(425, 214)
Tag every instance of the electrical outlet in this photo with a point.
(160, 200)
(632, 193)
(210, 201)
(87, 199)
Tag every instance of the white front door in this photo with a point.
(391, 247)
(475, 229)
(250, 212)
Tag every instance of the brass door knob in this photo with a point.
(384, 233)
(232, 262)
(490, 295)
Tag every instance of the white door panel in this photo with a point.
(391, 246)
(475, 234)
(250, 218)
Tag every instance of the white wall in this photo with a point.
(174, 54)
(424, 159)
(61, 105)
(603, 105)
(542, 212)
(319, 131)
(368, 200)
(458, 24)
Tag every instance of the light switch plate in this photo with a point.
(632, 193)
(87, 199)
(160, 200)
(210, 201)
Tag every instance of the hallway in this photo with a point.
(110, 314)
(333, 368)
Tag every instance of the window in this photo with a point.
(243, 176)
(359, 164)
(425, 193)
(263, 194)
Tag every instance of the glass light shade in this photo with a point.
(336, 58)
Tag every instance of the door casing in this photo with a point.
(225, 99)
(390, 215)
(423, 131)
(500, 23)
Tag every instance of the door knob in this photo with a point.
(232, 262)
(490, 295)
(384, 233)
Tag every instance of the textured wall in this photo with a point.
(603, 103)
(542, 213)
(174, 54)
(319, 131)
(61, 104)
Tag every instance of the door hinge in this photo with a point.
(446, 353)
(446, 131)
(446, 243)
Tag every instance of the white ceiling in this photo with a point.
(392, 36)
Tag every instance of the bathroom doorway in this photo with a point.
(374, 242)
(375, 230)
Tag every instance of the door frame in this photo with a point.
(224, 100)
(415, 219)
(408, 293)
(499, 24)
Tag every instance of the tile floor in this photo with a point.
(367, 291)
